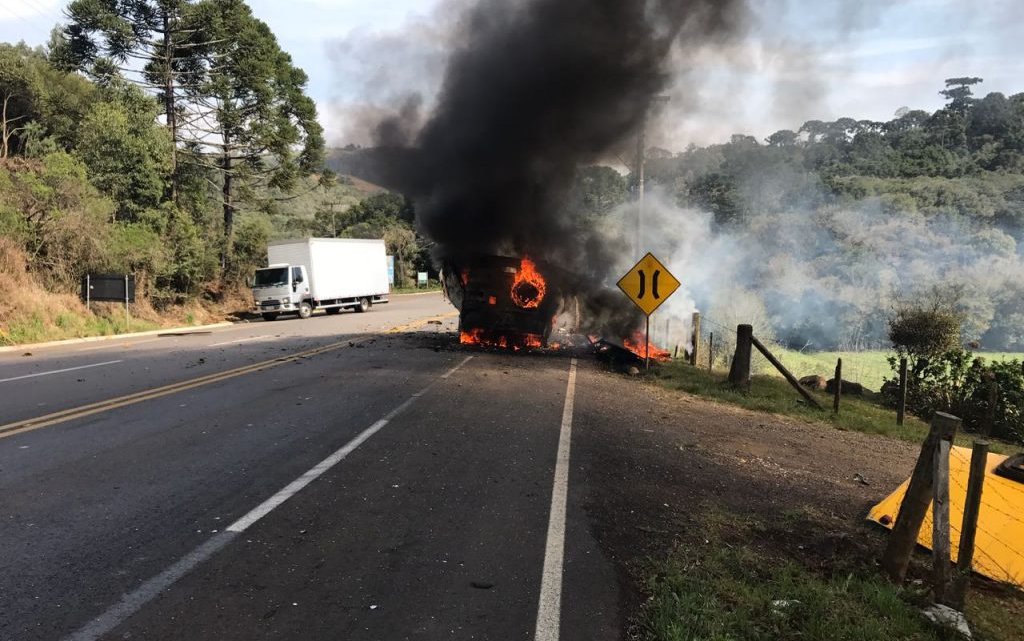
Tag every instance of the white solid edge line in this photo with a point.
(58, 371)
(241, 340)
(134, 601)
(549, 607)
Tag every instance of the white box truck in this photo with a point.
(332, 274)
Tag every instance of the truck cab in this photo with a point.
(281, 289)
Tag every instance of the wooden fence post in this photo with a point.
(940, 522)
(739, 372)
(785, 373)
(993, 404)
(915, 501)
(711, 352)
(838, 385)
(969, 528)
(696, 339)
(901, 402)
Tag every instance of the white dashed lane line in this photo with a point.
(58, 371)
(134, 601)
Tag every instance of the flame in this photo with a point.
(637, 345)
(529, 288)
(483, 338)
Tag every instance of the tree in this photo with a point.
(382, 209)
(259, 128)
(18, 96)
(814, 130)
(991, 119)
(402, 243)
(783, 138)
(596, 191)
(128, 155)
(719, 194)
(39, 101)
(958, 92)
(107, 38)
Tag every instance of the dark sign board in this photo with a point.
(108, 287)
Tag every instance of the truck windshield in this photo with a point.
(271, 277)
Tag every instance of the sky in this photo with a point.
(799, 60)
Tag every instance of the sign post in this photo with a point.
(109, 288)
(648, 285)
(127, 317)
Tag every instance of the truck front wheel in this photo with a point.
(269, 316)
(305, 310)
(364, 305)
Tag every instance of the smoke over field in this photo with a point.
(829, 278)
(812, 237)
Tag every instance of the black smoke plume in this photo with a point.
(532, 91)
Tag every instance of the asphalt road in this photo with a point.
(320, 479)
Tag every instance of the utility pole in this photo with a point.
(641, 161)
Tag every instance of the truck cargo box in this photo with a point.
(339, 268)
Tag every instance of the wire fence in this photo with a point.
(999, 551)
(717, 343)
(999, 546)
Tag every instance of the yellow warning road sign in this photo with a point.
(648, 284)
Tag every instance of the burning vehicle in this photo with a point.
(504, 302)
(492, 162)
(516, 304)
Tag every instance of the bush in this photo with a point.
(1008, 423)
(921, 333)
(959, 383)
(942, 376)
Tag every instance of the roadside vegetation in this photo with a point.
(769, 393)
(743, 580)
(869, 368)
(106, 166)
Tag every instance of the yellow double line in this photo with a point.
(102, 406)
(421, 323)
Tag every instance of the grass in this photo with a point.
(736, 585)
(867, 368)
(774, 395)
(739, 595)
(33, 328)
